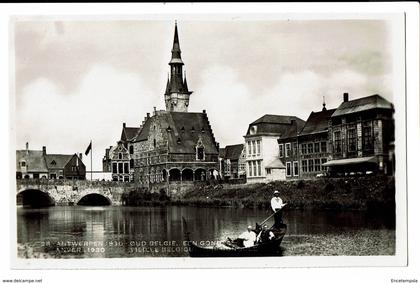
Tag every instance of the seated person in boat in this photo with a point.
(265, 235)
(248, 237)
(276, 206)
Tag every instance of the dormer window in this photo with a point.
(253, 130)
(119, 155)
(199, 150)
(53, 162)
(23, 163)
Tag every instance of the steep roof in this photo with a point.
(317, 122)
(183, 130)
(57, 161)
(362, 104)
(34, 160)
(278, 125)
(129, 133)
(233, 152)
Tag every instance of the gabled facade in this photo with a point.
(233, 162)
(361, 136)
(37, 164)
(175, 145)
(122, 164)
(262, 150)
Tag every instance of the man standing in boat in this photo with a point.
(276, 206)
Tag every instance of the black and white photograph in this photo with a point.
(193, 140)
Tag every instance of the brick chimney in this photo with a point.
(80, 156)
(124, 125)
(345, 97)
(148, 115)
(27, 147)
(44, 150)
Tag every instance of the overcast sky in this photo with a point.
(80, 80)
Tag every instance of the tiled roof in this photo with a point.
(362, 104)
(317, 122)
(233, 152)
(57, 161)
(130, 133)
(183, 130)
(278, 125)
(34, 160)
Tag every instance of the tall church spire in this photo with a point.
(177, 95)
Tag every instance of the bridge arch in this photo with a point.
(34, 198)
(94, 199)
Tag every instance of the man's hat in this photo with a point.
(249, 227)
(276, 192)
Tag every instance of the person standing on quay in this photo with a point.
(276, 206)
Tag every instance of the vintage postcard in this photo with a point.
(208, 140)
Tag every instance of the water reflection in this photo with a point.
(144, 231)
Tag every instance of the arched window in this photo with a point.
(131, 163)
(119, 155)
(131, 149)
(200, 153)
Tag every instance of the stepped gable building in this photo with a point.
(233, 162)
(361, 135)
(262, 149)
(37, 164)
(314, 146)
(174, 145)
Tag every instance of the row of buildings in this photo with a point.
(174, 145)
(38, 164)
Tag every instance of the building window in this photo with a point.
(317, 165)
(126, 179)
(23, 163)
(288, 169)
(295, 168)
(323, 146)
(304, 148)
(259, 168)
(131, 149)
(304, 165)
(250, 169)
(36, 175)
(249, 147)
(114, 168)
(281, 150)
(126, 170)
(258, 147)
(253, 148)
(200, 153)
(367, 138)
(119, 155)
(316, 147)
(120, 168)
(323, 161)
(310, 165)
(352, 138)
(288, 149)
(310, 148)
(131, 163)
(268, 171)
(295, 146)
(337, 141)
(254, 168)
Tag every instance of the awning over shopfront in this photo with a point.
(351, 161)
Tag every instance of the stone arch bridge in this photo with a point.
(69, 192)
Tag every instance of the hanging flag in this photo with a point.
(88, 148)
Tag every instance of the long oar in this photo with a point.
(272, 215)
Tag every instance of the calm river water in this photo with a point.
(78, 231)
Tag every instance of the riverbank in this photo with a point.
(355, 193)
